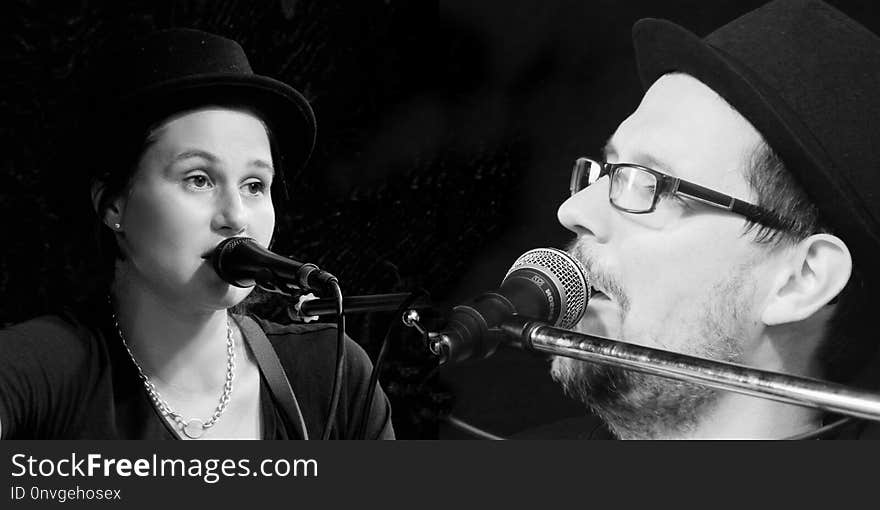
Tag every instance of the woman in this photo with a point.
(183, 158)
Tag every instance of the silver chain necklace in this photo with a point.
(193, 428)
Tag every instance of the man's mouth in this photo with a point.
(597, 294)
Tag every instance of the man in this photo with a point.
(776, 110)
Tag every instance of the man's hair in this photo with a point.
(848, 342)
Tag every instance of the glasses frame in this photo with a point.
(669, 185)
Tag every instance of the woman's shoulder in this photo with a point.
(52, 371)
(74, 323)
(312, 343)
(296, 330)
(45, 328)
(60, 335)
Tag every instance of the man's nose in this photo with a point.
(587, 211)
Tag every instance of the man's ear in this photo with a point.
(814, 272)
(111, 215)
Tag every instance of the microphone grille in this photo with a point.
(223, 257)
(567, 274)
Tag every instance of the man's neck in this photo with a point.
(788, 349)
(739, 416)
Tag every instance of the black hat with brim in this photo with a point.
(170, 71)
(808, 79)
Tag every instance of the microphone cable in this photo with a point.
(383, 349)
(340, 361)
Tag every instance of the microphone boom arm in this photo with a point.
(361, 304)
(720, 375)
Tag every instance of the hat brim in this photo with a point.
(286, 112)
(663, 47)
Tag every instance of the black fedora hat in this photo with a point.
(808, 78)
(144, 80)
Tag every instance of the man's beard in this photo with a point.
(635, 405)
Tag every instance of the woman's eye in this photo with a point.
(198, 181)
(255, 187)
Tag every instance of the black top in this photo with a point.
(64, 378)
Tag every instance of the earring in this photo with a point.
(117, 226)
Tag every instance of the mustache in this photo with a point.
(600, 277)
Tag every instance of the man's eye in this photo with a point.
(678, 200)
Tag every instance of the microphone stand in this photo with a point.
(361, 304)
(833, 397)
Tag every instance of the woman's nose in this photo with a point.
(231, 214)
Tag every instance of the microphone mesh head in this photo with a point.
(567, 274)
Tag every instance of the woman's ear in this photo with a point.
(813, 273)
(111, 214)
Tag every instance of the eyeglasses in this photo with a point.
(637, 189)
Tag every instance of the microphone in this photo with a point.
(242, 262)
(544, 284)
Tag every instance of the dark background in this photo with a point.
(445, 137)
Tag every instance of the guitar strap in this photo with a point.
(274, 374)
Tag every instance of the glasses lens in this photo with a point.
(585, 172)
(633, 188)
